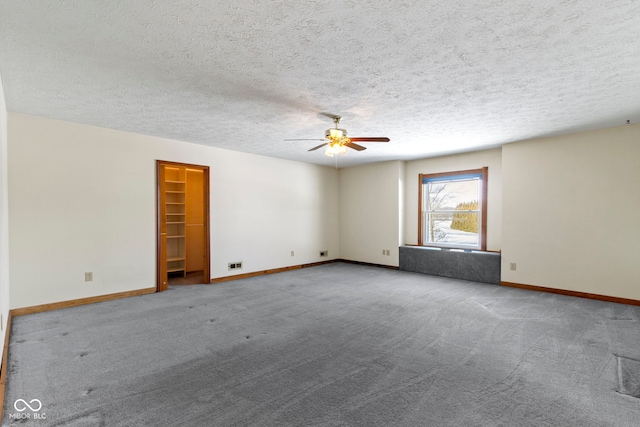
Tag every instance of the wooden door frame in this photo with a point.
(159, 212)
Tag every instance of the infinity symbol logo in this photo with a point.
(26, 405)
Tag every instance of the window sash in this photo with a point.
(454, 178)
(452, 212)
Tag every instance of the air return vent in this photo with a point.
(235, 265)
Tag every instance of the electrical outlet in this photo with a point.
(88, 277)
(512, 266)
(292, 253)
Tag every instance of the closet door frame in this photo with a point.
(161, 222)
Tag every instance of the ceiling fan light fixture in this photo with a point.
(328, 152)
(335, 147)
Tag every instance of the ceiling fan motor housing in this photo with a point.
(335, 133)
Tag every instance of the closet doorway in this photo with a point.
(182, 238)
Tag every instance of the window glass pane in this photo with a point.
(452, 212)
(440, 230)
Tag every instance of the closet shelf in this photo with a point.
(177, 200)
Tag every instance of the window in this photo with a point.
(453, 209)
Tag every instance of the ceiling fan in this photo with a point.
(337, 141)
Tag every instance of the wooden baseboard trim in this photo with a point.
(5, 360)
(572, 293)
(294, 267)
(270, 271)
(368, 264)
(82, 301)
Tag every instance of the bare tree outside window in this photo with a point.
(438, 196)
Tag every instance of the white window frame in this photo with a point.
(423, 183)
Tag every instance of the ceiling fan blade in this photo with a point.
(305, 139)
(330, 115)
(370, 139)
(319, 146)
(355, 146)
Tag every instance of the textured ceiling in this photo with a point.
(436, 77)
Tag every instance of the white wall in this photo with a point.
(82, 198)
(466, 161)
(570, 207)
(370, 212)
(4, 222)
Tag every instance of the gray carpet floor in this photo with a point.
(334, 345)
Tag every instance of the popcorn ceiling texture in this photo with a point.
(436, 77)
